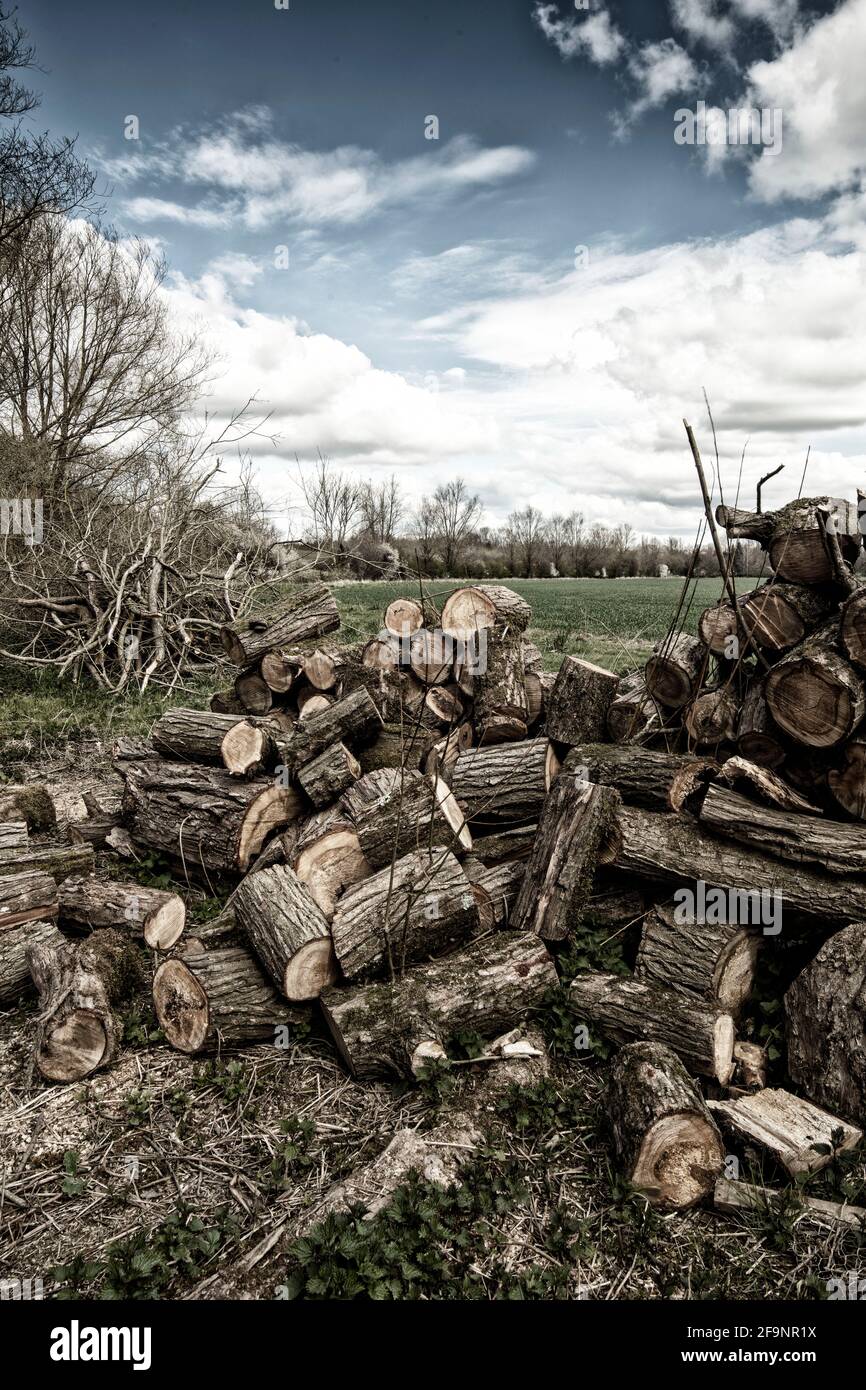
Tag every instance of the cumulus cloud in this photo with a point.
(660, 70)
(703, 22)
(596, 37)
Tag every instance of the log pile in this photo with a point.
(416, 828)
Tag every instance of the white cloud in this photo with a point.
(703, 23)
(237, 268)
(661, 70)
(596, 37)
(777, 15)
(163, 210)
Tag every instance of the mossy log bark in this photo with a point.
(206, 1000)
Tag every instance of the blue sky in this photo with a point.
(435, 317)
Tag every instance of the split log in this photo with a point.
(325, 777)
(288, 932)
(632, 713)
(505, 845)
(431, 657)
(579, 701)
(310, 611)
(673, 673)
(796, 1133)
(847, 783)
(16, 981)
(792, 536)
(227, 702)
(14, 838)
(90, 903)
(779, 616)
(758, 739)
(836, 846)
(442, 757)
(407, 912)
(80, 986)
(483, 607)
(396, 810)
(29, 802)
(206, 1000)
(353, 717)
(664, 1136)
(486, 988)
(712, 718)
(671, 849)
(496, 888)
(763, 783)
(643, 776)
(399, 745)
(327, 858)
(572, 829)
(853, 628)
(500, 690)
(699, 960)
(202, 816)
(57, 860)
(701, 1034)
(825, 1009)
(506, 784)
(814, 694)
(732, 1198)
(253, 693)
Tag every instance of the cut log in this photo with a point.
(381, 654)
(442, 757)
(847, 783)
(764, 784)
(353, 717)
(310, 611)
(327, 858)
(431, 657)
(699, 960)
(320, 669)
(192, 735)
(579, 701)
(397, 810)
(574, 824)
(633, 713)
(758, 739)
(202, 816)
(288, 932)
(485, 988)
(312, 702)
(80, 986)
(57, 860)
(796, 1133)
(717, 626)
(750, 1067)
(248, 748)
(445, 705)
(792, 536)
(814, 694)
(505, 845)
(325, 777)
(825, 1009)
(16, 981)
(278, 670)
(701, 1034)
(500, 690)
(665, 1138)
(501, 728)
(779, 616)
(496, 888)
(27, 897)
(407, 912)
(211, 999)
(674, 672)
(535, 695)
(14, 838)
(403, 616)
(671, 849)
(713, 717)
(853, 628)
(253, 694)
(836, 846)
(29, 802)
(482, 607)
(227, 702)
(506, 784)
(89, 903)
(643, 776)
(400, 745)
(732, 1198)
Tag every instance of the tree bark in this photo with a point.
(758, 739)
(814, 695)
(325, 777)
(206, 1000)
(500, 691)
(633, 713)
(764, 784)
(192, 735)
(486, 988)
(399, 745)
(506, 784)
(310, 611)
(57, 860)
(29, 802)
(674, 671)
(579, 702)
(397, 810)
(574, 824)
(406, 912)
(837, 847)
(791, 1129)
(643, 776)
(15, 942)
(90, 903)
(699, 960)
(14, 838)
(288, 932)
(505, 845)
(664, 1137)
(80, 984)
(701, 1034)
(825, 1009)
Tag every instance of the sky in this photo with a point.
(485, 239)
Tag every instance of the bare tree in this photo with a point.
(456, 512)
(381, 509)
(333, 504)
(573, 530)
(38, 175)
(90, 366)
(528, 528)
(556, 535)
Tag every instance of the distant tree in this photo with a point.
(333, 503)
(381, 509)
(455, 512)
(528, 528)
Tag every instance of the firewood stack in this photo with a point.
(413, 828)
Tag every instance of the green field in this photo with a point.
(613, 622)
